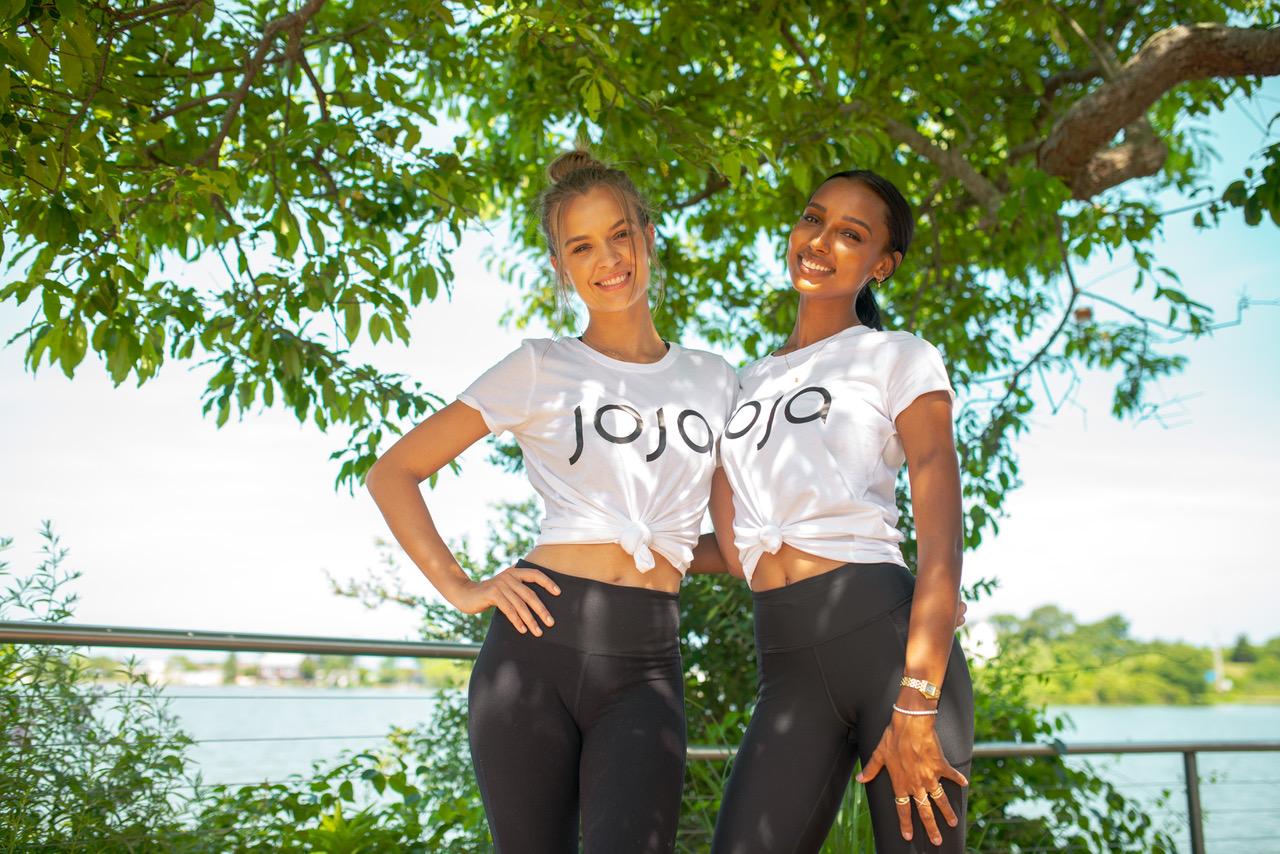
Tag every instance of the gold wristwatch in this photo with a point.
(930, 691)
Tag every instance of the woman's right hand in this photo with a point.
(510, 592)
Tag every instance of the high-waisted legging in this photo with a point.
(831, 651)
(587, 719)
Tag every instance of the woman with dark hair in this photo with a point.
(857, 658)
(576, 701)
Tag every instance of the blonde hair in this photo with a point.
(576, 173)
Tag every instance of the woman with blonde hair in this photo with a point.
(576, 699)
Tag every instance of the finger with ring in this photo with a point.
(902, 800)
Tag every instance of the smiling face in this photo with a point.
(602, 251)
(841, 241)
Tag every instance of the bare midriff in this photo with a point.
(788, 566)
(607, 562)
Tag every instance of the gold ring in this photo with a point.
(921, 801)
(905, 799)
(937, 793)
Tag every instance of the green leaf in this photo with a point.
(82, 38)
(317, 235)
(72, 72)
(74, 342)
(291, 362)
(351, 313)
(151, 132)
(442, 12)
(591, 99)
(37, 56)
(385, 87)
(16, 50)
(52, 305)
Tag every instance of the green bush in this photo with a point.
(1042, 803)
(89, 768)
(83, 767)
(414, 793)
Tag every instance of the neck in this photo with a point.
(817, 319)
(628, 335)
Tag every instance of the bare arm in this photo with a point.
(722, 521)
(909, 748)
(707, 559)
(934, 472)
(394, 483)
(711, 555)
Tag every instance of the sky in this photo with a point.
(175, 523)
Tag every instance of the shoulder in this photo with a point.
(895, 345)
(704, 362)
(539, 345)
(897, 338)
(533, 351)
(752, 368)
(529, 347)
(520, 363)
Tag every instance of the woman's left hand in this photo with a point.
(910, 752)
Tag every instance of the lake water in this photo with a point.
(1239, 792)
(247, 735)
(290, 728)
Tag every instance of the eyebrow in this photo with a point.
(848, 218)
(584, 237)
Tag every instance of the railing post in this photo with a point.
(1194, 818)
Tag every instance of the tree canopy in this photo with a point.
(1027, 135)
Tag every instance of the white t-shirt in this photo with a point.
(812, 452)
(620, 452)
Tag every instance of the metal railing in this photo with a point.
(56, 634)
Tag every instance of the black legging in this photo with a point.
(831, 652)
(589, 717)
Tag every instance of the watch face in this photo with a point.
(929, 690)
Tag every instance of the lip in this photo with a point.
(622, 280)
(803, 261)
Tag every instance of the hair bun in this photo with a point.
(572, 161)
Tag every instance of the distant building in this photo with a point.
(275, 667)
(205, 677)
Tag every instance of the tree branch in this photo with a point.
(1074, 151)
(158, 9)
(949, 162)
(321, 99)
(1141, 154)
(192, 104)
(324, 172)
(715, 183)
(991, 435)
(814, 77)
(1054, 82)
(292, 22)
(1102, 52)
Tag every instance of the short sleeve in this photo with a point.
(917, 369)
(731, 387)
(503, 393)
